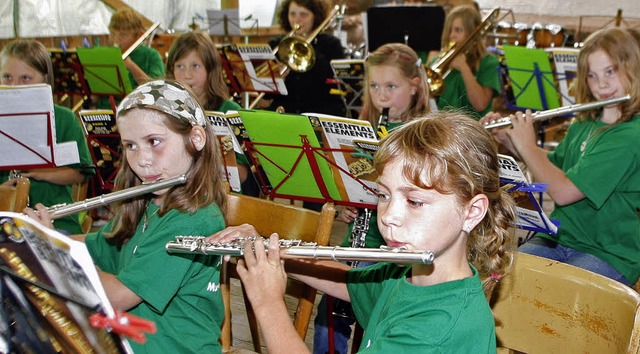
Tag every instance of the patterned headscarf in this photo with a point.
(165, 96)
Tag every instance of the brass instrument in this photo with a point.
(58, 211)
(438, 71)
(560, 111)
(140, 40)
(295, 52)
(301, 249)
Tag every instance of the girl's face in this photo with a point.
(123, 39)
(422, 219)
(153, 151)
(302, 16)
(388, 87)
(603, 78)
(14, 71)
(190, 69)
(458, 34)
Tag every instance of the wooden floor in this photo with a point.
(240, 328)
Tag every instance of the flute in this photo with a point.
(302, 249)
(551, 113)
(60, 210)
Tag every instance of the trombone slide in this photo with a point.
(560, 111)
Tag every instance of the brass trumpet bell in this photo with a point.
(296, 53)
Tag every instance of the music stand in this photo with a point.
(251, 68)
(419, 27)
(349, 73)
(224, 22)
(295, 159)
(68, 78)
(104, 143)
(27, 130)
(105, 72)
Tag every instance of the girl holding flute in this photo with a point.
(593, 175)
(438, 190)
(164, 135)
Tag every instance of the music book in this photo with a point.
(253, 67)
(28, 132)
(352, 168)
(104, 70)
(104, 144)
(229, 147)
(298, 157)
(64, 289)
(565, 62)
(530, 215)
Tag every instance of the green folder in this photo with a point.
(104, 70)
(521, 62)
(264, 127)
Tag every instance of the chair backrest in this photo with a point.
(15, 198)
(290, 222)
(545, 306)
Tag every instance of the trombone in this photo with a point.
(438, 71)
(296, 52)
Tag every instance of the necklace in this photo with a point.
(145, 223)
(592, 133)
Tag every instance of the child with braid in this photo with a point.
(439, 190)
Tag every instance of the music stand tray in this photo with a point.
(224, 22)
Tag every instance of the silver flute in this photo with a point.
(560, 111)
(60, 210)
(302, 249)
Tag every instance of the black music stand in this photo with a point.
(224, 22)
(419, 27)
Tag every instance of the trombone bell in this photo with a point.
(296, 53)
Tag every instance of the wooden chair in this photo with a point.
(15, 198)
(79, 193)
(546, 306)
(290, 222)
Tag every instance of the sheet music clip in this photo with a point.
(124, 324)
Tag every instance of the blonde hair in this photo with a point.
(453, 154)
(471, 19)
(624, 52)
(404, 58)
(32, 53)
(126, 20)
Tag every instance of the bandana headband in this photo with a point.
(168, 97)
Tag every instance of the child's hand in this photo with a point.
(43, 216)
(348, 214)
(262, 273)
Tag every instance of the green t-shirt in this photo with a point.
(605, 223)
(399, 317)
(228, 105)
(455, 92)
(68, 128)
(180, 292)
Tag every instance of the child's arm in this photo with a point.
(120, 296)
(333, 281)
(265, 282)
(56, 175)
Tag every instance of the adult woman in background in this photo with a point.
(309, 91)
